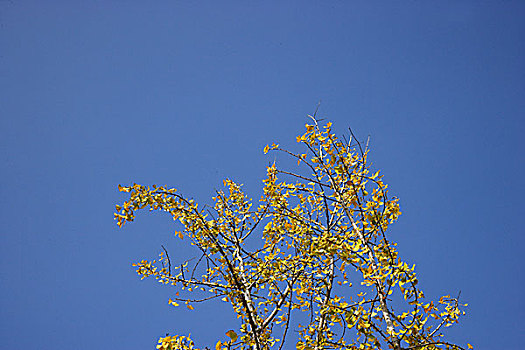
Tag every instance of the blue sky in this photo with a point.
(100, 93)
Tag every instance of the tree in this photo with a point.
(325, 268)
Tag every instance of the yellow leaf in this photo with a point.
(123, 189)
(266, 149)
(218, 345)
(179, 234)
(232, 335)
(190, 307)
(469, 346)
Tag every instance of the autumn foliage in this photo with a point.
(322, 268)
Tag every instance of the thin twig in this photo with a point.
(167, 257)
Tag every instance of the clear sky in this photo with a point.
(185, 93)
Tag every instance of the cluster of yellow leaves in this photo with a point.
(177, 342)
(322, 230)
(181, 342)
